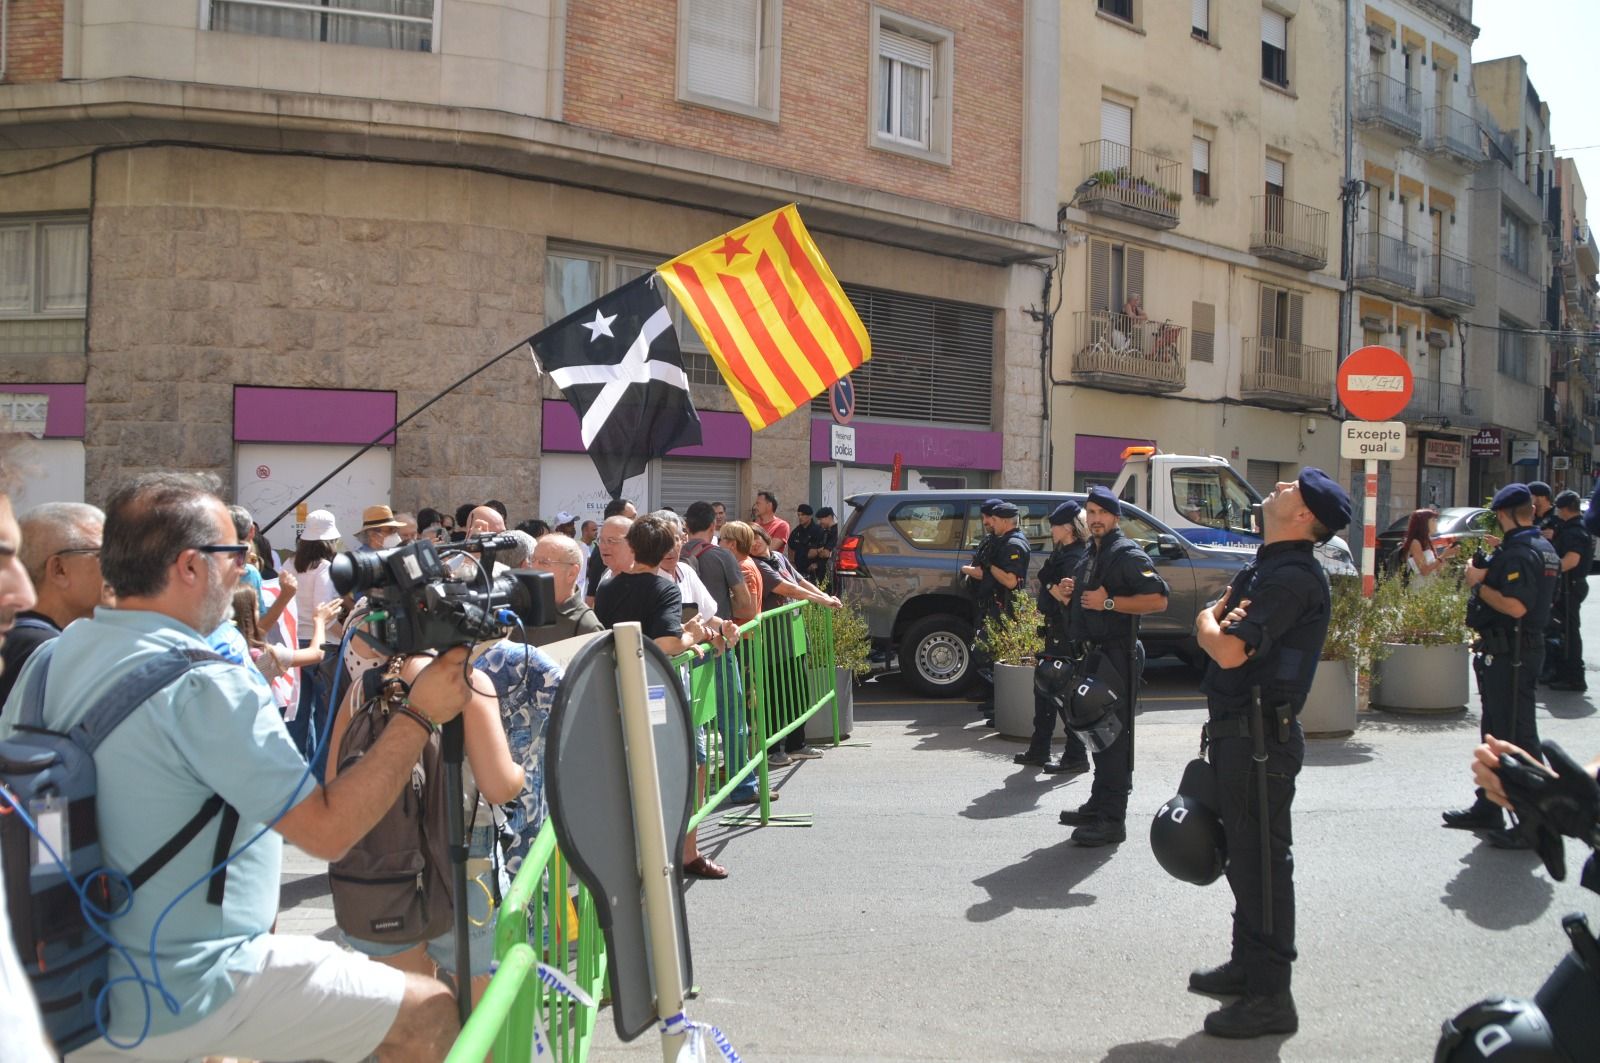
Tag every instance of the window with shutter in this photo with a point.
(1116, 134)
(1200, 18)
(685, 481)
(1266, 342)
(1275, 176)
(911, 87)
(1202, 332)
(1135, 274)
(727, 54)
(1297, 307)
(1274, 46)
(1200, 158)
(1099, 276)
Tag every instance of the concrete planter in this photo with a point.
(1330, 708)
(1422, 679)
(820, 727)
(1013, 701)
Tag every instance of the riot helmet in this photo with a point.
(1052, 680)
(1186, 834)
(1502, 1029)
(1092, 712)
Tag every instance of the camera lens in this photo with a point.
(357, 572)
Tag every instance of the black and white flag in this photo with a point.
(617, 362)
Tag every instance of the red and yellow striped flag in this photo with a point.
(771, 313)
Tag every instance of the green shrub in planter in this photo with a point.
(1014, 638)
(1429, 613)
(1353, 634)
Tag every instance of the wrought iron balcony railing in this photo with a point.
(1447, 282)
(1385, 101)
(1278, 372)
(1437, 400)
(1127, 353)
(1454, 134)
(1385, 264)
(1286, 231)
(1134, 185)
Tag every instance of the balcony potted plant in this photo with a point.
(851, 646)
(1014, 643)
(1352, 645)
(1425, 666)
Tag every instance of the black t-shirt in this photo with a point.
(1284, 627)
(1119, 567)
(1573, 538)
(1525, 568)
(20, 643)
(595, 569)
(646, 597)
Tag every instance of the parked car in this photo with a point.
(1455, 522)
(899, 563)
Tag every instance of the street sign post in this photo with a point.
(842, 400)
(1374, 385)
(842, 448)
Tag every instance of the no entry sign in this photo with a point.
(1374, 383)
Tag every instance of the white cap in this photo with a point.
(320, 527)
(564, 518)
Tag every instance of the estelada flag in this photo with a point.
(771, 313)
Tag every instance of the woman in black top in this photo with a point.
(644, 595)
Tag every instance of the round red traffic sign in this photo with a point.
(1375, 383)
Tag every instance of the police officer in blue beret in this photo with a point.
(1115, 584)
(1264, 637)
(1509, 609)
(1071, 538)
(1575, 547)
(998, 570)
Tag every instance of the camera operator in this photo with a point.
(172, 558)
(1509, 608)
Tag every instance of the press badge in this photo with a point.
(50, 817)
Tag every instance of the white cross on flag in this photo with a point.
(617, 362)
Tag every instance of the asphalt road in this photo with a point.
(932, 908)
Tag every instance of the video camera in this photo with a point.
(1549, 807)
(424, 607)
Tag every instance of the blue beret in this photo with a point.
(1513, 495)
(987, 509)
(1101, 496)
(1065, 513)
(1323, 496)
(1004, 510)
(1538, 489)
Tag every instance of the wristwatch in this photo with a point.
(1110, 604)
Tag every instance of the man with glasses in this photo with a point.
(613, 557)
(61, 552)
(559, 555)
(172, 558)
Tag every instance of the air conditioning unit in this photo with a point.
(1438, 337)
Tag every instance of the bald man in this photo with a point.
(61, 552)
(485, 519)
(615, 553)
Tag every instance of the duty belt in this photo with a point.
(1219, 728)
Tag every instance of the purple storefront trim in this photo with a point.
(1102, 453)
(919, 446)
(312, 415)
(64, 417)
(722, 435)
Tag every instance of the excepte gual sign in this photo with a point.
(1373, 440)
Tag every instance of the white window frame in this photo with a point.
(35, 227)
(940, 83)
(768, 64)
(1268, 14)
(619, 267)
(311, 7)
(1200, 18)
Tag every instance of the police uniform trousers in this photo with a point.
(1508, 701)
(1569, 669)
(982, 664)
(1266, 958)
(1113, 768)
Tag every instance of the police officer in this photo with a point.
(1263, 638)
(1068, 532)
(1510, 606)
(1544, 513)
(1000, 570)
(1575, 547)
(1115, 584)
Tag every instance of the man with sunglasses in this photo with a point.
(61, 551)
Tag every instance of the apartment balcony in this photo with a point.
(1447, 283)
(1453, 137)
(1125, 353)
(1588, 254)
(1285, 375)
(1289, 232)
(1440, 402)
(1132, 185)
(1385, 265)
(1387, 105)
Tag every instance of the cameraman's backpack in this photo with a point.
(51, 776)
(393, 886)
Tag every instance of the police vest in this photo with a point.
(1285, 670)
(1102, 625)
(1061, 563)
(1520, 547)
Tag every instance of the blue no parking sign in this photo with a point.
(842, 400)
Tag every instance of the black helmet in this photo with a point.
(1052, 680)
(1501, 1029)
(1092, 712)
(1186, 834)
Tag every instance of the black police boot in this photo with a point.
(1253, 1016)
(1038, 760)
(1101, 832)
(1081, 816)
(1224, 981)
(1480, 815)
(1075, 766)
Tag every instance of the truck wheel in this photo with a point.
(936, 656)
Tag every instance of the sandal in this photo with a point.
(701, 867)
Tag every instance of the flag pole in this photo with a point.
(387, 432)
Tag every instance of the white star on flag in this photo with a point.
(600, 326)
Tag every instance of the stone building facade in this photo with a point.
(241, 246)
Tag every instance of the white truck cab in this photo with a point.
(1205, 500)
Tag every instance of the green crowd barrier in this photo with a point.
(777, 677)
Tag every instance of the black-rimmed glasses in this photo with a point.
(235, 552)
(80, 551)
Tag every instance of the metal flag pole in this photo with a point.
(650, 832)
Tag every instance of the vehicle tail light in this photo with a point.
(848, 559)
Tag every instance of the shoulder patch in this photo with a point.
(1148, 573)
(1513, 575)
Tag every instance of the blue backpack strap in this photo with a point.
(31, 714)
(133, 690)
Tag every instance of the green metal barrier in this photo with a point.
(778, 676)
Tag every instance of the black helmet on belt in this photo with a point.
(1052, 680)
(1092, 712)
(1501, 1029)
(1186, 835)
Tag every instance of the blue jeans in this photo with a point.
(733, 721)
